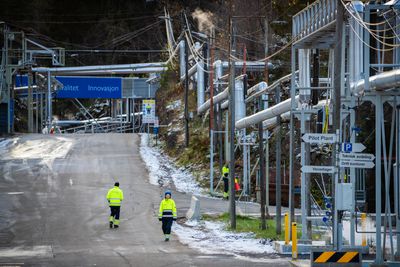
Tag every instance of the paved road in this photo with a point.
(54, 213)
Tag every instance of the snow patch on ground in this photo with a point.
(4, 143)
(56, 147)
(44, 148)
(162, 170)
(211, 238)
(174, 105)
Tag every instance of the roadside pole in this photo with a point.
(232, 204)
(336, 115)
(262, 167)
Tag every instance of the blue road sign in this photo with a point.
(347, 147)
(89, 87)
(155, 130)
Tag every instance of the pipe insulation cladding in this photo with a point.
(265, 114)
(380, 82)
(200, 83)
(223, 96)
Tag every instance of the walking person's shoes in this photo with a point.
(166, 238)
(116, 226)
(111, 224)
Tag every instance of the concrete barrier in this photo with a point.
(194, 212)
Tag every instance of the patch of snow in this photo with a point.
(370, 238)
(174, 105)
(162, 170)
(4, 143)
(46, 149)
(211, 238)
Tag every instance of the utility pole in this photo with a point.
(337, 66)
(264, 172)
(278, 166)
(30, 100)
(262, 167)
(232, 204)
(211, 90)
(186, 93)
(49, 99)
(266, 78)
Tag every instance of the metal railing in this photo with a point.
(312, 18)
(103, 127)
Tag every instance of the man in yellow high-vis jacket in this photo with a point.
(114, 198)
(225, 177)
(167, 214)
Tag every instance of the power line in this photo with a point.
(93, 51)
(84, 21)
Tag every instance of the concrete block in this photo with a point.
(303, 249)
(194, 212)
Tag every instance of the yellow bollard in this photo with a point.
(364, 228)
(294, 240)
(286, 228)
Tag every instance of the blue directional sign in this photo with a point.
(347, 147)
(89, 87)
(352, 147)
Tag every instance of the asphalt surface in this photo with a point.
(53, 212)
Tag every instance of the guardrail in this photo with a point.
(312, 18)
(103, 127)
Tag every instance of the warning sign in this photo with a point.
(149, 110)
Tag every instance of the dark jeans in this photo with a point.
(226, 185)
(166, 225)
(115, 212)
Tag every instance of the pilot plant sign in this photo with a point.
(89, 87)
(317, 138)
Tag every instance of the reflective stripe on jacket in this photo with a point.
(115, 196)
(167, 209)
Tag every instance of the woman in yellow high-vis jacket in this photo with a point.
(167, 214)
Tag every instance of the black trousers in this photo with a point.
(226, 184)
(166, 225)
(115, 212)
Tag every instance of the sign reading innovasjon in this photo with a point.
(89, 87)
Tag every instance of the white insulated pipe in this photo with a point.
(116, 71)
(356, 46)
(271, 123)
(255, 88)
(250, 65)
(191, 72)
(304, 74)
(240, 106)
(100, 67)
(222, 96)
(380, 82)
(200, 83)
(216, 99)
(218, 70)
(225, 104)
(182, 65)
(265, 114)
(258, 87)
(270, 88)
